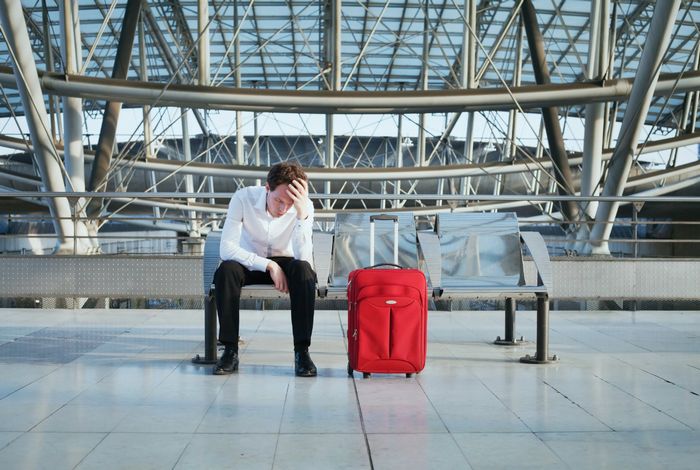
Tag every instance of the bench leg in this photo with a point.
(509, 340)
(209, 331)
(542, 355)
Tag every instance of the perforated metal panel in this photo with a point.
(181, 277)
(626, 279)
(100, 276)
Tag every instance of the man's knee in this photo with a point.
(229, 270)
(302, 270)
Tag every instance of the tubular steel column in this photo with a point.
(333, 58)
(105, 145)
(240, 141)
(189, 182)
(510, 147)
(549, 114)
(147, 130)
(73, 156)
(469, 81)
(72, 107)
(637, 107)
(256, 145)
(47, 158)
(595, 112)
(203, 80)
(424, 84)
(399, 160)
(56, 125)
(594, 132)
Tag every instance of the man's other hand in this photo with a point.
(298, 191)
(278, 277)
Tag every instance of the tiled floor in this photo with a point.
(111, 389)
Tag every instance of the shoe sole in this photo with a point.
(225, 372)
(307, 374)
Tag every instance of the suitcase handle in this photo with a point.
(385, 264)
(374, 217)
(393, 218)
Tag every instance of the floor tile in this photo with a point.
(84, 418)
(337, 451)
(6, 437)
(654, 449)
(619, 397)
(507, 450)
(396, 405)
(229, 451)
(160, 418)
(321, 405)
(50, 451)
(136, 450)
(429, 451)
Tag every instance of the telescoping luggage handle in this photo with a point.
(372, 218)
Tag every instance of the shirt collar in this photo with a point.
(260, 202)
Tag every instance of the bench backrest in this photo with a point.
(351, 244)
(210, 259)
(480, 250)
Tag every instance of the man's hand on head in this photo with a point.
(298, 191)
(278, 277)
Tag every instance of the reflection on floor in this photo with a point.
(115, 389)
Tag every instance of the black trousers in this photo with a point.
(231, 276)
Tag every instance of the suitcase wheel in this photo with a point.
(366, 375)
(409, 375)
(350, 371)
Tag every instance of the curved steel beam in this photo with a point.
(350, 102)
(366, 174)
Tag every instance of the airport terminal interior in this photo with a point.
(536, 161)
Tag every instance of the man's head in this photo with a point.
(284, 173)
(279, 178)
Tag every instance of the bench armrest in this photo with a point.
(429, 243)
(323, 247)
(538, 249)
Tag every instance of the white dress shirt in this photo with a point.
(251, 235)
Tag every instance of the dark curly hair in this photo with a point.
(285, 173)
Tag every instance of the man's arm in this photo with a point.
(302, 246)
(230, 248)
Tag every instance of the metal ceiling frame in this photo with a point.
(435, 57)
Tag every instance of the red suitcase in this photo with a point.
(387, 315)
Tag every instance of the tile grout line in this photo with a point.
(642, 401)
(357, 398)
(452, 436)
(279, 429)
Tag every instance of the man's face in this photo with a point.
(278, 202)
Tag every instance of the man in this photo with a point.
(267, 240)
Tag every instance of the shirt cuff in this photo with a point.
(260, 264)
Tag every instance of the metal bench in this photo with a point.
(469, 256)
(335, 255)
(322, 245)
(479, 255)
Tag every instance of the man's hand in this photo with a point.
(278, 277)
(299, 193)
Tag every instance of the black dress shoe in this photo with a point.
(228, 363)
(303, 365)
